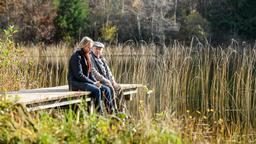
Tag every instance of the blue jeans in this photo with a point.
(96, 94)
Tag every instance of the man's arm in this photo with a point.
(95, 72)
(111, 77)
(98, 76)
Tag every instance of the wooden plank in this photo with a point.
(133, 91)
(56, 93)
(130, 86)
(53, 105)
(129, 90)
(56, 103)
(44, 94)
(44, 98)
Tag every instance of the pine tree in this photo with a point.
(71, 20)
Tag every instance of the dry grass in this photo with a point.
(209, 92)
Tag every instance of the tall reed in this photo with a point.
(215, 83)
(198, 77)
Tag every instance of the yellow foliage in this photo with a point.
(108, 32)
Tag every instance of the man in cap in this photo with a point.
(102, 73)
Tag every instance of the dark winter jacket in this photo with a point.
(78, 69)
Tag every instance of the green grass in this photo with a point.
(64, 126)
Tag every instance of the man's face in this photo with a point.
(97, 51)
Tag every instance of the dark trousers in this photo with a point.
(96, 94)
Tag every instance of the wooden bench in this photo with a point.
(46, 98)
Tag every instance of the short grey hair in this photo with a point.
(85, 40)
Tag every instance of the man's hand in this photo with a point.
(115, 85)
(98, 84)
(108, 83)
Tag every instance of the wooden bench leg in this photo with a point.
(90, 107)
(78, 116)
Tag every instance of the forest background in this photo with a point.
(115, 21)
(203, 85)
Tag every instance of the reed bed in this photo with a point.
(209, 92)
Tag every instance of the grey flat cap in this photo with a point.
(98, 44)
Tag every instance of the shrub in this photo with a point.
(10, 62)
(14, 68)
(108, 32)
(195, 25)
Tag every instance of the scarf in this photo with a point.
(89, 63)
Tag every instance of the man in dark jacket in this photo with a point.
(80, 76)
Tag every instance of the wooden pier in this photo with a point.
(52, 97)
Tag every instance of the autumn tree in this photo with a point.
(34, 20)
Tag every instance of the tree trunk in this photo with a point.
(152, 20)
(7, 12)
(122, 7)
(139, 26)
(175, 11)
